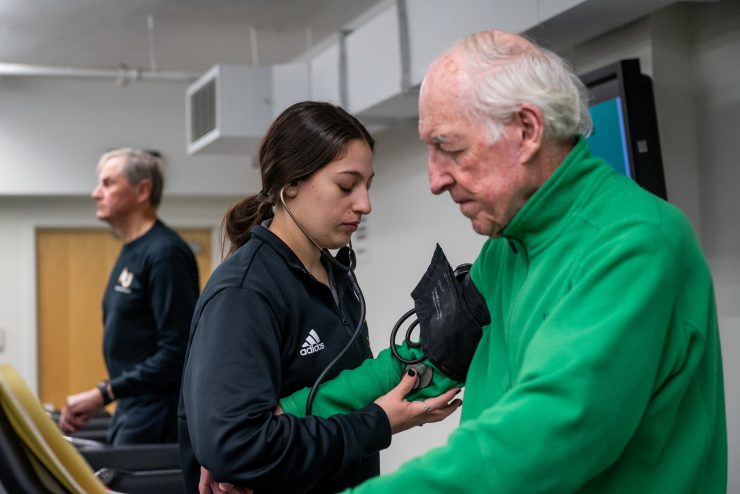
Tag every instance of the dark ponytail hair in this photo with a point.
(304, 138)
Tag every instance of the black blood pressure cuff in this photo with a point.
(451, 313)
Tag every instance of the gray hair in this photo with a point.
(506, 73)
(137, 166)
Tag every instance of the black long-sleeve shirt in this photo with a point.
(264, 328)
(147, 309)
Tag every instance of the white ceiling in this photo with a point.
(188, 35)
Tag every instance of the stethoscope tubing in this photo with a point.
(349, 271)
(407, 339)
(358, 329)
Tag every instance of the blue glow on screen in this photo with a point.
(608, 139)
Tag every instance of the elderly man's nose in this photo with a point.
(439, 179)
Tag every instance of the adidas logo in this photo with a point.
(312, 344)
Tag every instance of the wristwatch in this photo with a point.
(103, 388)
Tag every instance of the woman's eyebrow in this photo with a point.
(356, 173)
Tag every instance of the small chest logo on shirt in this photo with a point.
(124, 281)
(312, 344)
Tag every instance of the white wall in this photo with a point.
(52, 132)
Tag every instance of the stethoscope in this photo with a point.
(349, 271)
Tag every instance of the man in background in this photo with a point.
(147, 306)
(601, 369)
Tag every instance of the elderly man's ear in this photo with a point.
(531, 131)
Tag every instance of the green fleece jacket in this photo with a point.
(601, 370)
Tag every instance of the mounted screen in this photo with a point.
(625, 124)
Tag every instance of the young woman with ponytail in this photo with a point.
(276, 312)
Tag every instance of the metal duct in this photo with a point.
(123, 74)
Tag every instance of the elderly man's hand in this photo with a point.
(79, 409)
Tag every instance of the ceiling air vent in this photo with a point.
(228, 109)
(203, 110)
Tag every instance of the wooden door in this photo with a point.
(73, 266)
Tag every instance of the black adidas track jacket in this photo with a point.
(264, 328)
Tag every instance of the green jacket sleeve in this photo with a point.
(353, 389)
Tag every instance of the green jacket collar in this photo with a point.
(548, 212)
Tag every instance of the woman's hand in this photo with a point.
(404, 415)
(209, 486)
